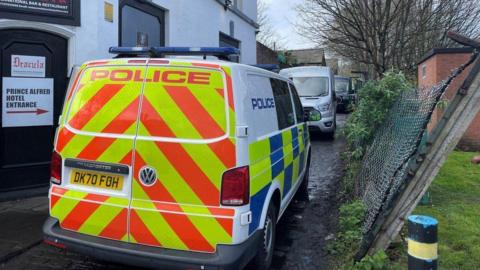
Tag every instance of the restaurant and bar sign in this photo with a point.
(52, 11)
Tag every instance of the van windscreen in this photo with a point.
(177, 102)
(311, 86)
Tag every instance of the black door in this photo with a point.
(25, 148)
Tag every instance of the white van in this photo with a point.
(316, 87)
(176, 163)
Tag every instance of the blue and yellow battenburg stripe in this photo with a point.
(279, 157)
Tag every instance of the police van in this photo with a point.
(176, 163)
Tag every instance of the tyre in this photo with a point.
(302, 193)
(263, 259)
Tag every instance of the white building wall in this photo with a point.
(191, 23)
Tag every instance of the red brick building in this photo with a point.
(437, 66)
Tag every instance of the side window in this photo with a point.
(298, 104)
(283, 104)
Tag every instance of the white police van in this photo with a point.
(176, 163)
(316, 87)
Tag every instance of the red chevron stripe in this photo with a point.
(225, 151)
(92, 106)
(229, 89)
(227, 225)
(228, 212)
(127, 159)
(82, 211)
(157, 192)
(64, 137)
(203, 123)
(179, 223)
(55, 195)
(206, 65)
(53, 200)
(74, 85)
(195, 112)
(221, 92)
(140, 232)
(119, 125)
(117, 228)
(179, 158)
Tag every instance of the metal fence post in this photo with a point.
(422, 243)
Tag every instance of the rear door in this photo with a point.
(96, 141)
(185, 142)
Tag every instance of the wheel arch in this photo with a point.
(274, 194)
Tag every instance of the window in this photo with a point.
(342, 85)
(141, 24)
(424, 71)
(311, 86)
(298, 104)
(283, 104)
(228, 41)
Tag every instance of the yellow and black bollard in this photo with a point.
(422, 243)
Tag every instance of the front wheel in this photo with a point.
(263, 259)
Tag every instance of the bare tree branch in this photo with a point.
(386, 34)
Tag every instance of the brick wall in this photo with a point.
(437, 66)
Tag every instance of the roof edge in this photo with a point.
(436, 51)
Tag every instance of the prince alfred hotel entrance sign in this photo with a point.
(66, 12)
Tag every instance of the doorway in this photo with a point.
(33, 80)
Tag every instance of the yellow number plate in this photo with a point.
(97, 179)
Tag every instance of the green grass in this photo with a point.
(455, 195)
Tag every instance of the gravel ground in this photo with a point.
(301, 232)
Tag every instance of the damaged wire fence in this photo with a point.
(395, 149)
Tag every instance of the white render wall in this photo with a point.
(192, 23)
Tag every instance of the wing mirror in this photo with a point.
(313, 116)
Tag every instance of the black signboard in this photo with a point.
(50, 11)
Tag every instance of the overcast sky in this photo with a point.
(282, 16)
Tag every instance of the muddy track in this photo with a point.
(302, 231)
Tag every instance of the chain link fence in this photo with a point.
(394, 150)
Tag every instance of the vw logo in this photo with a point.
(147, 175)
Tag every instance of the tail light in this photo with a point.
(236, 187)
(56, 168)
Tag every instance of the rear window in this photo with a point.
(106, 100)
(190, 103)
(178, 102)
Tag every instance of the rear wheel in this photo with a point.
(263, 259)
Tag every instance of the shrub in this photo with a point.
(349, 234)
(375, 100)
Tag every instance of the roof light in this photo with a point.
(220, 52)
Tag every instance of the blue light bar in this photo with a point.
(220, 52)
